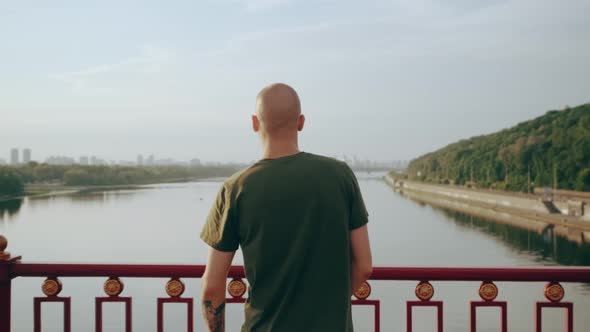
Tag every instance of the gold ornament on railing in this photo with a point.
(488, 291)
(175, 287)
(554, 292)
(424, 291)
(51, 287)
(363, 292)
(113, 287)
(4, 255)
(236, 288)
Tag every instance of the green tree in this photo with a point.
(78, 177)
(583, 181)
(10, 183)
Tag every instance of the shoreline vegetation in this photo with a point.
(550, 151)
(35, 179)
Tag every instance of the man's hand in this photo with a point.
(213, 295)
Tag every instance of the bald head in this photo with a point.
(278, 109)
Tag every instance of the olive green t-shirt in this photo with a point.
(292, 217)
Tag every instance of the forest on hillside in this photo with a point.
(553, 149)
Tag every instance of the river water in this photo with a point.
(161, 224)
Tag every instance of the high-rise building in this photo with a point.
(150, 160)
(84, 160)
(14, 156)
(26, 156)
(93, 160)
(139, 160)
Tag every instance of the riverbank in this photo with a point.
(524, 211)
(34, 179)
(52, 189)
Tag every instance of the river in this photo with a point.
(161, 224)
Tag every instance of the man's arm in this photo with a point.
(213, 292)
(361, 261)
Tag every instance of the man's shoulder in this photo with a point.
(328, 161)
(318, 162)
(333, 165)
(237, 177)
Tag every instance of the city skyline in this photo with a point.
(152, 160)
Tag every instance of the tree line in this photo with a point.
(10, 184)
(552, 150)
(14, 178)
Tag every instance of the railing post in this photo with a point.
(4, 297)
(5, 285)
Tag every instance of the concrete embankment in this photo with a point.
(524, 211)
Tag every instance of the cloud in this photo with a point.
(499, 30)
(260, 5)
(151, 60)
(256, 5)
(244, 40)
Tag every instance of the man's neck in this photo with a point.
(273, 149)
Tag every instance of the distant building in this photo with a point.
(26, 156)
(2, 161)
(96, 161)
(60, 160)
(84, 160)
(196, 162)
(139, 160)
(14, 156)
(150, 160)
(164, 162)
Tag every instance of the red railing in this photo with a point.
(113, 287)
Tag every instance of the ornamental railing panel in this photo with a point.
(172, 277)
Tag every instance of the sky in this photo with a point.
(382, 80)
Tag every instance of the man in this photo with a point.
(301, 223)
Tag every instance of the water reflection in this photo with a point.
(10, 208)
(84, 197)
(546, 246)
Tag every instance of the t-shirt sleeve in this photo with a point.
(358, 212)
(221, 230)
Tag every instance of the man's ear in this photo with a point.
(300, 122)
(255, 123)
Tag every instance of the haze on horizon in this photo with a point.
(377, 79)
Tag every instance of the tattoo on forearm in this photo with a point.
(215, 317)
